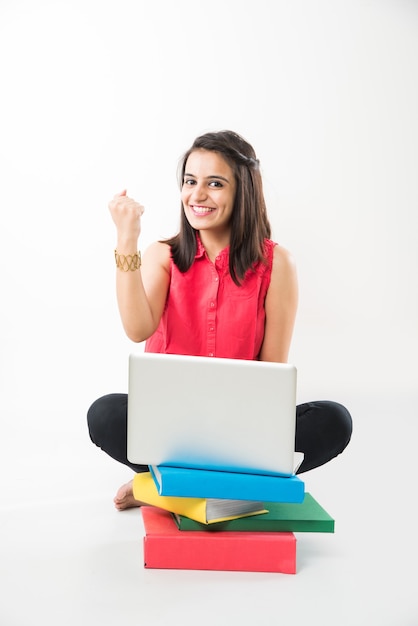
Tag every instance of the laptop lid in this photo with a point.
(229, 414)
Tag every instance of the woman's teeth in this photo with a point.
(202, 209)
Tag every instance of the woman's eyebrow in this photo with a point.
(213, 176)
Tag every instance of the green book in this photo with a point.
(309, 516)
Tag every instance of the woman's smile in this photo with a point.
(201, 210)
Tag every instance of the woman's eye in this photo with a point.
(213, 183)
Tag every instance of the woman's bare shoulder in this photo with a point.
(158, 252)
(283, 259)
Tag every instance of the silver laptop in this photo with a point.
(228, 414)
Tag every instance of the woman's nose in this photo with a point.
(199, 192)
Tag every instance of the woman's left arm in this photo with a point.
(281, 306)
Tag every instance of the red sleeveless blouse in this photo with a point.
(207, 314)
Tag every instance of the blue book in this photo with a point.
(210, 483)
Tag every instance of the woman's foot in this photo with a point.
(124, 498)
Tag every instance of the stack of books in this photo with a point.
(210, 519)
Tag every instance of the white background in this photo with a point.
(101, 96)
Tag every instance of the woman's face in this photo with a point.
(208, 191)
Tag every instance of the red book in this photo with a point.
(167, 547)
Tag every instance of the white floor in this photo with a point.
(67, 557)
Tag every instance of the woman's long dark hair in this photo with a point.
(249, 221)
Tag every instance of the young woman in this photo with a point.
(220, 287)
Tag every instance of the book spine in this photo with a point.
(228, 485)
(271, 552)
(246, 524)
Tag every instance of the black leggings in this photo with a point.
(323, 430)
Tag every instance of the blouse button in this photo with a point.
(210, 354)
(212, 304)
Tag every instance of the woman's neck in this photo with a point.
(214, 243)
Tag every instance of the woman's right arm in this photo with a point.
(141, 293)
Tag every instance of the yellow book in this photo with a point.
(203, 510)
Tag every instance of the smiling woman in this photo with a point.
(234, 166)
(219, 288)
